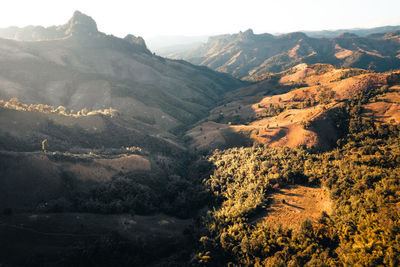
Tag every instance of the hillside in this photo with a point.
(95, 98)
(90, 124)
(113, 156)
(305, 174)
(83, 68)
(248, 56)
(303, 106)
(305, 168)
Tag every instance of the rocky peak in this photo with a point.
(135, 40)
(247, 34)
(81, 24)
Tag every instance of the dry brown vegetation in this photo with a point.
(303, 115)
(292, 205)
(385, 108)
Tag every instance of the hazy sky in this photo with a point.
(204, 17)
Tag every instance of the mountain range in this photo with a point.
(77, 67)
(169, 45)
(71, 90)
(357, 31)
(250, 56)
(277, 151)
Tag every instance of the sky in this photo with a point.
(149, 18)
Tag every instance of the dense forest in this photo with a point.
(361, 175)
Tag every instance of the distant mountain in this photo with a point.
(359, 32)
(247, 55)
(160, 43)
(173, 49)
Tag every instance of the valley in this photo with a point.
(263, 151)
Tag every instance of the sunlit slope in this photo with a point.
(302, 106)
(248, 56)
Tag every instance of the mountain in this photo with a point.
(78, 24)
(113, 156)
(168, 50)
(356, 31)
(74, 92)
(85, 115)
(79, 67)
(161, 43)
(248, 56)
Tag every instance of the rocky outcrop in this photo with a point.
(136, 40)
(80, 25)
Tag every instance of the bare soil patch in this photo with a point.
(292, 205)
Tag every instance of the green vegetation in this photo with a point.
(351, 73)
(325, 95)
(360, 174)
(169, 190)
(270, 111)
(320, 69)
(362, 178)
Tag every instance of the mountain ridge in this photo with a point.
(70, 72)
(247, 55)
